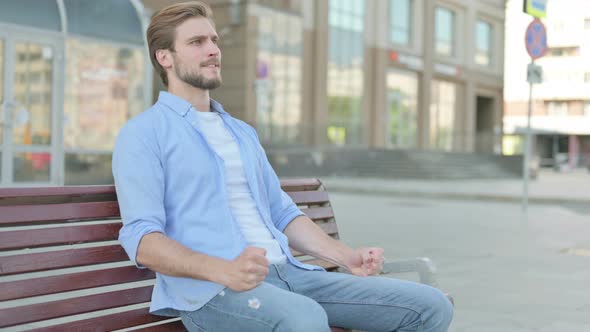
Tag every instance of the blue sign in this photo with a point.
(536, 8)
(536, 39)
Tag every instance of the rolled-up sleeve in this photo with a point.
(283, 210)
(139, 181)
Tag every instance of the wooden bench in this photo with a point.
(62, 269)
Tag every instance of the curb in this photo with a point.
(453, 195)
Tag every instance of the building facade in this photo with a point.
(561, 103)
(393, 74)
(337, 74)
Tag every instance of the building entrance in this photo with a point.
(484, 125)
(29, 107)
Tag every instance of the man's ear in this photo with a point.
(164, 58)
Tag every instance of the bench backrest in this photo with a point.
(62, 269)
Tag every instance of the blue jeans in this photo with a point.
(293, 299)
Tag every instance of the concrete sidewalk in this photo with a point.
(549, 188)
(506, 275)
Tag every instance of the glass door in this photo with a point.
(28, 110)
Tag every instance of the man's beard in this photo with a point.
(195, 79)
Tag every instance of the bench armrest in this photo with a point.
(421, 265)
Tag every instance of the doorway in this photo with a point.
(30, 72)
(484, 124)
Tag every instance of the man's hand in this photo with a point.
(366, 262)
(246, 271)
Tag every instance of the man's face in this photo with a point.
(197, 58)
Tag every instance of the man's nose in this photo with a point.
(213, 49)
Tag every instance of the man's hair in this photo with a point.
(162, 29)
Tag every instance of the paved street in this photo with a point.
(505, 272)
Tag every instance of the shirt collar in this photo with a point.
(181, 106)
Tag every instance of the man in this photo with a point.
(202, 207)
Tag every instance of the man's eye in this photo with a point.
(196, 42)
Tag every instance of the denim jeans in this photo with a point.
(293, 299)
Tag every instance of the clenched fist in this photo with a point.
(366, 261)
(247, 271)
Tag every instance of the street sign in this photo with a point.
(536, 39)
(536, 45)
(534, 74)
(535, 8)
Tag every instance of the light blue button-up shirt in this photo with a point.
(170, 180)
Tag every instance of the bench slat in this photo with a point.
(329, 227)
(175, 326)
(55, 236)
(309, 197)
(13, 290)
(33, 238)
(73, 306)
(25, 263)
(57, 191)
(107, 323)
(42, 214)
(93, 233)
(286, 184)
(319, 213)
(300, 184)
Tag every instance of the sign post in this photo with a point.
(536, 46)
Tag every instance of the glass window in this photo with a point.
(402, 110)
(400, 21)
(88, 168)
(557, 108)
(563, 51)
(278, 77)
(444, 31)
(114, 20)
(345, 71)
(587, 77)
(587, 24)
(42, 14)
(32, 94)
(443, 103)
(587, 109)
(104, 88)
(32, 166)
(483, 43)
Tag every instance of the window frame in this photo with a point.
(557, 108)
(454, 52)
(353, 99)
(286, 60)
(490, 51)
(410, 26)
